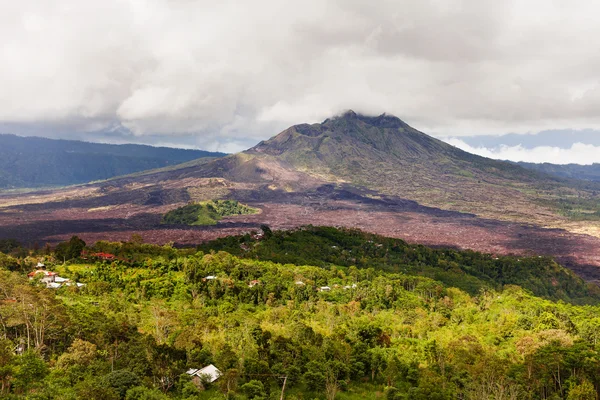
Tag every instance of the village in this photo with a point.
(51, 279)
(257, 282)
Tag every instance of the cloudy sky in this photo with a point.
(222, 75)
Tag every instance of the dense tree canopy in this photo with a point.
(367, 330)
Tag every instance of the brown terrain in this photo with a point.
(492, 211)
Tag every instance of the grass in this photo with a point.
(206, 212)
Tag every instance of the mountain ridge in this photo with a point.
(589, 172)
(27, 162)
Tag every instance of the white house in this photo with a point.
(210, 373)
(47, 277)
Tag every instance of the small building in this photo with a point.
(209, 374)
(299, 283)
(324, 288)
(244, 247)
(210, 278)
(254, 283)
(47, 277)
(104, 256)
(53, 285)
(51, 279)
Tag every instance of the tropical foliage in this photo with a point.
(364, 331)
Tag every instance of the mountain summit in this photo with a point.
(385, 134)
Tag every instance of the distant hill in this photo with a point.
(571, 171)
(30, 162)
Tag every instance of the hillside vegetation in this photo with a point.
(36, 162)
(468, 270)
(334, 332)
(206, 212)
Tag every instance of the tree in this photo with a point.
(6, 367)
(167, 364)
(228, 381)
(254, 389)
(40, 313)
(314, 377)
(75, 361)
(79, 353)
(584, 391)
(70, 250)
(8, 262)
(7, 246)
(144, 393)
(96, 390)
(254, 367)
(30, 369)
(121, 381)
(226, 358)
(267, 232)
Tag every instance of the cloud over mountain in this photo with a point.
(577, 153)
(229, 73)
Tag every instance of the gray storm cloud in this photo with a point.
(226, 74)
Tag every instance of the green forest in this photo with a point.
(206, 212)
(333, 313)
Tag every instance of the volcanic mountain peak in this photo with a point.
(382, 121)
(385, 154)
(352, 134)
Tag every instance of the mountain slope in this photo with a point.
(385, 154)
(37, 162)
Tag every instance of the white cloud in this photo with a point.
(578, 153)
(244, 70)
